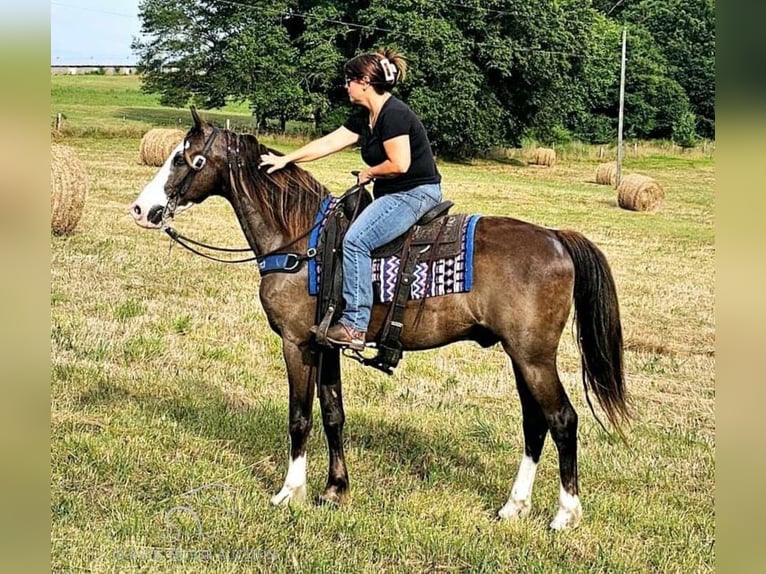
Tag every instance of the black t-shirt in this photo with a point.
(395, 119)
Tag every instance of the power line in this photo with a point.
(615, 6)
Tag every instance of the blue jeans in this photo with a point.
(383, 220)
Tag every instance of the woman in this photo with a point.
(395, 146)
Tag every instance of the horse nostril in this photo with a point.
(155, 214)
(136, 210)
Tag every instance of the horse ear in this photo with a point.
(197, 120)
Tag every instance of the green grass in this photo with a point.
(115, 106)
(169, 398)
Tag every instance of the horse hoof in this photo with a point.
(289, 495)
(567, 519)
(330, 497)
(514, 510)
(324, 501)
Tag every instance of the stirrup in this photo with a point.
(378, 361)
(320, 331)
(366, 361)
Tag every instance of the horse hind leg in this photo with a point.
(563, 427)
(539, 383)
(535, 429)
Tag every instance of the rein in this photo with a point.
(195, 166)
(184, 241)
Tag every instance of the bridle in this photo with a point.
(196, 165)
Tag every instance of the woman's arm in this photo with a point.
(322, 147)
(398, 162)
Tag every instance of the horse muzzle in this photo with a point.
(150, 218)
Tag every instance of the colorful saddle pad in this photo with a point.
(447, 276)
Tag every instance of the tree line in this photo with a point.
(483, 73)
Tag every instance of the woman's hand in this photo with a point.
(364, 176)
(275, 161)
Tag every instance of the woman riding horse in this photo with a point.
(525, 279)
(395, 145)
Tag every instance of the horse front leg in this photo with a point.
(333, 418)
(299, 374)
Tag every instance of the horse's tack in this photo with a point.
(439, 237)
(442, 235)
(422, 242)
(195, 165)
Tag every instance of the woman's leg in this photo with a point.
(383, 220)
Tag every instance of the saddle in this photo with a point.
(435, 235)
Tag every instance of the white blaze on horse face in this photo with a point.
(570, 511)
(520, 501)
(147, 209)
(294, 488)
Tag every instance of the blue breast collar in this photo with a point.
(292, 262)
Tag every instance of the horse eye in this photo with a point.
(179, 160)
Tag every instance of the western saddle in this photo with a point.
(435, 235)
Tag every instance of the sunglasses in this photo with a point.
(347, 81)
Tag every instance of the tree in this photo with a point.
(486, 76)
(446, 87)
(684, 130)
(595, 119)
(214, 51)
(654, 102)
(320, 57)
(684, 32)
(483, 72)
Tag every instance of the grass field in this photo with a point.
(168, 392)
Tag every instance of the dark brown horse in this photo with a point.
(525, 279)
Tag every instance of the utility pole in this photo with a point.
(618, 176)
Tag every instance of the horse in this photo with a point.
(526, 280)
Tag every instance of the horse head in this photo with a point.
(193, 171)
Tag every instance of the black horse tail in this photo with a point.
(599, 330)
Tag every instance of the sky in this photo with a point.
(96, 32)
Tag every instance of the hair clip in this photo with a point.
(389, 70)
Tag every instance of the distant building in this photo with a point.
(108, 69)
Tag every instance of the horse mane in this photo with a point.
(289, 198)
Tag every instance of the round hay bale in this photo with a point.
(157, 144)
(69, 186)
(606, 174)
(639, 193)
(544, 156)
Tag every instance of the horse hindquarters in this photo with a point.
(523, 296)
(599, 329)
